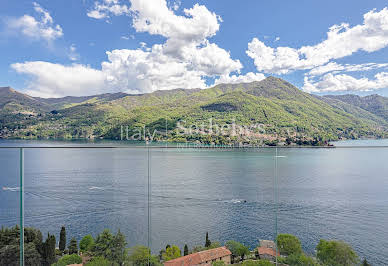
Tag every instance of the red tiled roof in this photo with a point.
(199, 257)
(267, 251)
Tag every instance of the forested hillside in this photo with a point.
(270, 112)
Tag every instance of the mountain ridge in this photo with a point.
(285, 114)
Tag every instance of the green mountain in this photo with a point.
(270, 112)
(13, 101)
(374, 104)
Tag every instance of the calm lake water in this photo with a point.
(322, 193)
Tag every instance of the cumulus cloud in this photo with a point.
(184, 60)
(103, 9)
(40, 27)
(343, 82)
(342, 40)
(249, 77)
(55, 80)
(137, 71)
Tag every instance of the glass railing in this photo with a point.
(152, 204)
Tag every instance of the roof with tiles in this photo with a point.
(200, 257)
(267, 251)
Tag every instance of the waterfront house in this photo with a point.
(205, 258)
(265, 253)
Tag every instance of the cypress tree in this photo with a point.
(49, 250)
(62, 239)
(185, 251)
(73, 249)
(208, 242)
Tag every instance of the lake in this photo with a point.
(330, 193)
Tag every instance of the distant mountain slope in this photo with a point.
(68, 101)
(374, 104)
(12, 100)
(272, 110)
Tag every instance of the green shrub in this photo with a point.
(218, 263)
(289, 244)
(336, 253)
(257, 263)
(86, 243)
(99, 261)
(68, 259)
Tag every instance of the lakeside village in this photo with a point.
(227, 136)
(107, 249)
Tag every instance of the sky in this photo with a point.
(84, 47)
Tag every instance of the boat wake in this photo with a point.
(234, 201)
(11, 188)
(96, 188)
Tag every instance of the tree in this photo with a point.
(237, 249)
(336, 253)
(172, 252)
(10, 247)
(185, 250)
(141, 256)
(111, 247)
(9, 255)
(288, 244)
(73, 249)
(48, 250)
(118, 248)
(243, 250)
(99, 261)
(62, 239)
(102, 244)
(86, 243)
(68, 259)
(233, 247)
(207, 242)
(299, 260)
(215, 244)
(31, 255)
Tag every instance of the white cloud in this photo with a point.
(249, 77)
(184, 60)
(335, 67)
(138, 71)
(73, 55)
(55, 80)
(40, 28)
(343, 82)
(155, 17)
(105, 8)
(342, 40)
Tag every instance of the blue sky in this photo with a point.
(75, 47)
